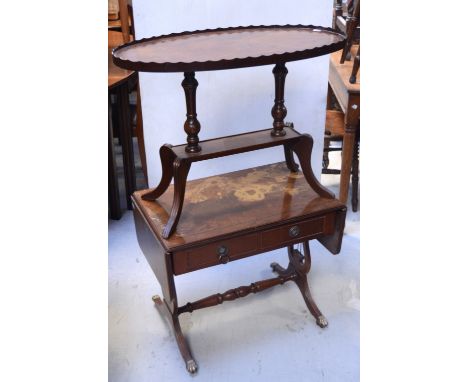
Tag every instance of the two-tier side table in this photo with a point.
(192, 225)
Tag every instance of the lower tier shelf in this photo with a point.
(242, 213)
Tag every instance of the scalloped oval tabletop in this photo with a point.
(227, 48)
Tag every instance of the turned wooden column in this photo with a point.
(191, 125)
(279, 111)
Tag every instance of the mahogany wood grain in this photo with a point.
(279, 111)
(181, 170)
(245, 245)
(159, 260)
(235, 144)
(234, 294)
(173, 321)
(242, 213)
(237, 202)
(228, 215)
(191, 125)
(228, 48)
(177, 160)
(298, 267)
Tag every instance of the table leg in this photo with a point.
(279, 111)
(299, 266)
(303, 150)
(181, 170)
(113, 184)
(351, 123)
(173, 320)
(167, 163)
(289, 156)
(127, 141)
(192, 125)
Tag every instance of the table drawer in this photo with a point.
(223, 251)
(219, 252)
(294, 232)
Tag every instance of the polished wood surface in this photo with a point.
(261, 240)
(176, 163)
(161, 261)
(279, 110)
(243, 213)
(226, 48)
(348, 96)
(236, 202)
(235, 144)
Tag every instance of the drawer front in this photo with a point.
(295, 232)
(223, 251)
(220, 252)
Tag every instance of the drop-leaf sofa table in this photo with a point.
(193, 225)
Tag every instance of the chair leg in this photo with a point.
(356, 63)
(355, 176)
(127, 142)
(325, 158)
(140, 134)
(113, 181)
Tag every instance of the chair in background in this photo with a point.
(125, 24)
(352, 24)
(334, 133)
(342, 127)
(125, 104)
(348, 21)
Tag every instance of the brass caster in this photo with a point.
(192, 366)
(322, 322)
(156, 298)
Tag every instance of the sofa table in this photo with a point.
(243, 213)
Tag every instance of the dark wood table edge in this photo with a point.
(136, 204)
(197, 66)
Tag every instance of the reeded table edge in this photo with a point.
(197, 66)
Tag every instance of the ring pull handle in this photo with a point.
(223, 252)
(294, 231)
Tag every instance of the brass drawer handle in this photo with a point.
(294, 231)
(223, 254)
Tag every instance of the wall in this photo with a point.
(231, 101)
